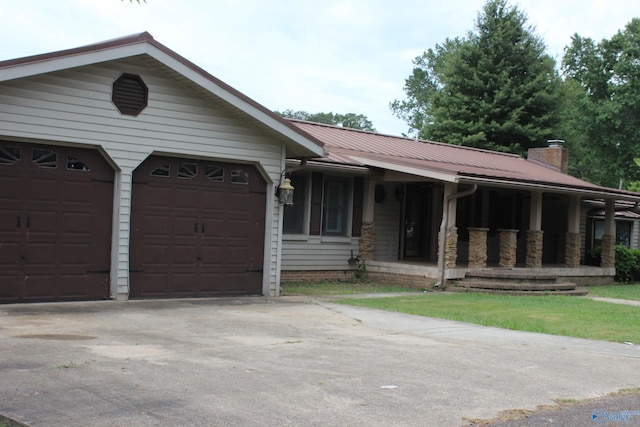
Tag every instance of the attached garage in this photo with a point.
(55, 223)
(197, 228)
(184, 206)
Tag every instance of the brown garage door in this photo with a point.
(197, 229)
(55, 223)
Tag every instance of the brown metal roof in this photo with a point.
(462, 164)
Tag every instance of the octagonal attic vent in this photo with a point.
(130, 94)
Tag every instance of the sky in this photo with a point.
(340, 56)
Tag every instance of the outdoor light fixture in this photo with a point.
(285, 190)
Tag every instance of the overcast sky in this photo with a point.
(344, 56)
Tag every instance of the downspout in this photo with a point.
(443, 230)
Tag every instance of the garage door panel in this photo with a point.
(208, 221)
(13, 188)
(9, 284)
(64, 219)
(78, 193)
(77, 224)
(44, 190)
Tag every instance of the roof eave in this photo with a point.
(145, 44)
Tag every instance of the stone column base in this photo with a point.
(478, 247)
(572, 251)
(451, 248)
(608, 258)
(508, 248)
(367, 242)
(534, 248)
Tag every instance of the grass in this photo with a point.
(339, 288)
(631, 292)
(555, 315)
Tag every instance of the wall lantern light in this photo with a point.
(285, 190)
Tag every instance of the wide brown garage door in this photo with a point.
(197, 229)
(55, 223)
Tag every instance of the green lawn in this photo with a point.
(616, 291)
(556, 315)
(339, 288)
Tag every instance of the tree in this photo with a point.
(349, 120)
(494, 89)
(607, 109)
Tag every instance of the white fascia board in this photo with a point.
(232, 99)
(440, 176)
(73, 61)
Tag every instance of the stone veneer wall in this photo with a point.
(608, 251)
(508, 248)
(451, 245)
(478, 247)
(534, 248)
(367, 242)
(573, 247)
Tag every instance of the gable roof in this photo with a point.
(299, 143)
(449, 163)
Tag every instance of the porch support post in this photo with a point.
(478, 247)
(573, 244)
(508, 247)
(535, 233)
(367, 230)
(450, 210)
(608, 259)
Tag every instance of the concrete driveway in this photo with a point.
(286, 361)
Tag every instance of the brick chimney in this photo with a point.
(555, 155)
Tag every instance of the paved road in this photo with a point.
(285, 361)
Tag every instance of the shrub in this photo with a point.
(627, 262)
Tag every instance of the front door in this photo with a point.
(416, 221)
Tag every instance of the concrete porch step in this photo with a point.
(511, 276)
(573, 292)
(514, 286)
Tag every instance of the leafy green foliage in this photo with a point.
(493, 89)
(349, 120)
(605, 119)
(627, 263)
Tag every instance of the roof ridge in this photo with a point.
(404, 138)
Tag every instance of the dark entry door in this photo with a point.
(55, 223)
(416, 221)
(197, 229)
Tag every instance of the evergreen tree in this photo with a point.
(605, 120)
(349, 120)
(495, 88)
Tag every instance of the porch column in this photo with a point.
(608, 259)
(449, 211)
(535, 233)
(367, 230)
(573, 244)
(508, 247)
(478, 247)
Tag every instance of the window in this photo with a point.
(623, 233)
(187, 170)
(47, 159)
(9, 155)
(239, 176)
(164, 171)
(335, 212)
(215, 173)
(76, 165)
(295, 215)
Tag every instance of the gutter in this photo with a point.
(443, 229)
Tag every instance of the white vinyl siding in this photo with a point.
(316, 254)
(74, 107)
(387, 222)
